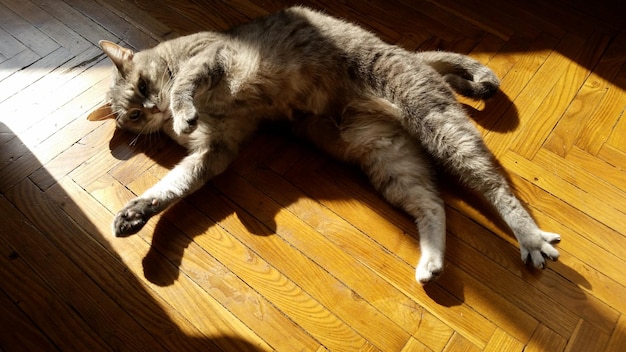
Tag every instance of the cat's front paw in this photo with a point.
(429, 268)
(185, 119)
(539, 247)
(134, 216)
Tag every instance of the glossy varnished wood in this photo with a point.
(290, 250)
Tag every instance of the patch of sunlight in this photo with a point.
(36, 104)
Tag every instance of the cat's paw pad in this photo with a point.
(541, 246)
(134, 216)
(185, 119)
(429, 269)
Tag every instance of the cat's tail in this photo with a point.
(465, 75)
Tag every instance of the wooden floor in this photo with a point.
(289, 250)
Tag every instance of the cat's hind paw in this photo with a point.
(134, 216)
(428, 269)
(540, 247)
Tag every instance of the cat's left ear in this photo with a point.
(101, 113)
(117, 53)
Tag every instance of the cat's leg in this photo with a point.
(452, 139)
(185, 178)
(395, 165)
(200, 73)
(403, 176)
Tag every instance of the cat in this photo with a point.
(388, 110)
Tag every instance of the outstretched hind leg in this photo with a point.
(403, 176)
(452, 139)
(398, 168)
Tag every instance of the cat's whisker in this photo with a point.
(133, 142)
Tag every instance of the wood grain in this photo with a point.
(289, 250)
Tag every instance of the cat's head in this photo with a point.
(138, 99)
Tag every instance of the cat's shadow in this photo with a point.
(193, 228)
(178, 232)
(497, 114)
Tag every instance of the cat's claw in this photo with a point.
(134, 216)
(535, 250)
(428, 269)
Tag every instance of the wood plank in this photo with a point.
(515, 65)
(243, 261)
(599, 125)
(574, 20)
(545, 339)
(81, 24)
(53, 28)
(599, 168)
(16, 63)
(476, 294)
(138, 18)
(9, 46)
(526, 110)
(586, 203)
(214, 277)
(339, 299)
(325, 190)
(190, 17)
(46, 306)
(37, 41)
(120, 28)
(56, 84)
(612, 156)
(442, 18)
(501, 341)
(360, 278)
(414, 345)
(23, 334)
(580, 273)
(169, 315)
(21, 161)
(345, 236)
(618, 337)
(527, 297)
(100, 312)
(286, 295)
(74, 153)
(566, 88)
(588, 100)
(459, 343)
(587, 338)
(617, 138)
(587, 183)
(20, 80)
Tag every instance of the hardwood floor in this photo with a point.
(289, 250)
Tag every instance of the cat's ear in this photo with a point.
(117, 53)
(101, 113)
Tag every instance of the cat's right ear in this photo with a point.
(101, 113)
(120, 55)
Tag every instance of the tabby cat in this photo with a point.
(388, 110)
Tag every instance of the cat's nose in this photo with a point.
(152, 107)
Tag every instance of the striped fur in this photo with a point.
(391, 111)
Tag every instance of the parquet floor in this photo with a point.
(289, 250)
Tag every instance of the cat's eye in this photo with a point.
(143, 87)
(134, 115)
